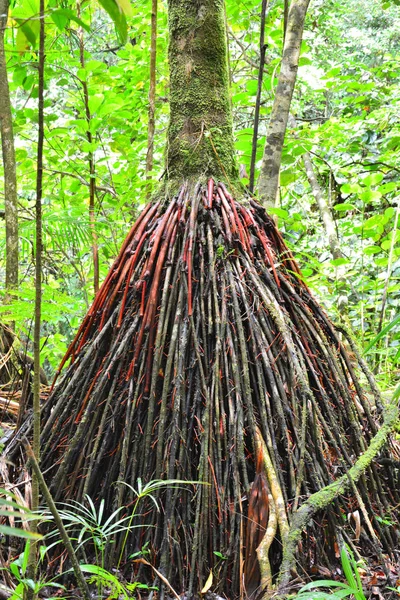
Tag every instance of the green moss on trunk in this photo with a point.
(200, 137)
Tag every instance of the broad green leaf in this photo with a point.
(95, 102)
(370, 196)
(19, 75)
(333, 72)
(118, 17)
(385, 188)
(372, 179)
(372, 222)
(381, 262)
(337, 262)
(62, 16)
(286, 177)
(26, 36)
(344, 206)
(350, 188)
(370, 250)
(126, 7)
(251, 87)
(280, 212)
(20, 533)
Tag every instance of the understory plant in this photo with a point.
(91, 525)
(19, 570)
(336, 590)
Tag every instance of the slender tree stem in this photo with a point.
(263, 48)
(38, 291)
(57, 519)
(387, 280)
(285, 19)
(92, 167)
(10, 177)
(152, 93)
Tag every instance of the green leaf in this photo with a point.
(20, 533)
(19, 75)
(372, 179)
(343, 206)
(82, 74)
(332, 72)
(280, 212)
(352, 188)
(243, 145)
(26, 37)
(385, 188)
(382, 333)
(370, 196)
(126, 7)
(118, 18)
(95, 102)
(287, 177)
(351, 572)
(251, 86)
(305, 60)
(381, 262)
(62, 16)
(370, 250)
(337, 262)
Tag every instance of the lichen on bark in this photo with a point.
(200, 135)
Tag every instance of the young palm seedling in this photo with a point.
(336, 590)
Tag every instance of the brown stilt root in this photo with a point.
(203, 345)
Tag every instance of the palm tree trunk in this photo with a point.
(200, 138)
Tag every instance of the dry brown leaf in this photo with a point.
(357, 521)
(207, 584)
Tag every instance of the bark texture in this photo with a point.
(10, 177)
(200, 140)
(268, 181)
(324, 209)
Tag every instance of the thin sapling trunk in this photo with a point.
(92, 166)
(152, 93)
(263, 49)
(9, 164)
(32, 561)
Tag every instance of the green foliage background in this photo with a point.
(347, 108)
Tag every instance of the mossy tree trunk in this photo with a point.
(200, 138)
